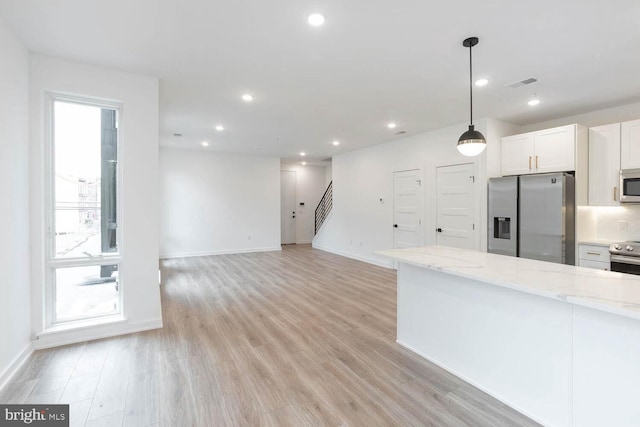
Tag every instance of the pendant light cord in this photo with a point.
(471, 85)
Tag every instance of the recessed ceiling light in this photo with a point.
(481, 82)
(219, 128)
(534, 102)
(391, 125)
(315, 19)
(304, 163)
(247, 97)
(336, 142)
(204, 143)
(302, 153)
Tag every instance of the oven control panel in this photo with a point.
(625, 257)
(625, 248)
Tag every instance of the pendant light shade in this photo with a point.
(472, 142)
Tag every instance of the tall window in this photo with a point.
(83, 246)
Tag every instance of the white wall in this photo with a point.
(15, 323)
(328, 175)
(496, 129)
(310, 186)
(360, 224)
(138, 161)
(621, 113)
(216, 203)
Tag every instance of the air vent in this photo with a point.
(522, 82)
(177, 134)
(328, 159)
(400, 132)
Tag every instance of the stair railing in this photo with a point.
(324, 207)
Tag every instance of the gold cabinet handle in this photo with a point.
(615, 194)
(536, 162)
(529, 162)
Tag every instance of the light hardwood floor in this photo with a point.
(297, 338)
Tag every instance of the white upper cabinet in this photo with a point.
(555, 149)
(517, 154)
(630, 145)
(549, 150)
(604, 165)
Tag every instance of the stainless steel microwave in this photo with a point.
(630, 186)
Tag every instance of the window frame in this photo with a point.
(51, 262)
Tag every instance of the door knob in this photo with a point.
(395, 225)
(439, 230)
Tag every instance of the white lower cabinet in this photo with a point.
(594, 256)
(598, 265)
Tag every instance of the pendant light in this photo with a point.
(472, 142)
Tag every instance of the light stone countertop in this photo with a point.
(598, 242)
(607, 291)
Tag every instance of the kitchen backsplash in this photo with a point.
(615, 223)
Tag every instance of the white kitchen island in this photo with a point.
(559, 343)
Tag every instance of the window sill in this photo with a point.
(83, 324)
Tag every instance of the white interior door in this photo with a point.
(408, 199)
(455, 205)
(287, 207)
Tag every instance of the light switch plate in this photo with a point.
(622, 225)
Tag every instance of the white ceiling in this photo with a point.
(374, 61)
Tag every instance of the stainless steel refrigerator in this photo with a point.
(533, 216)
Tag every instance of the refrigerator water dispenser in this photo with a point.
(502, 228)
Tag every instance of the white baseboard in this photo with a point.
(223, 252)
(303, 242)
(385, 264)
(473, 383)
(15, 365)
(73, 336)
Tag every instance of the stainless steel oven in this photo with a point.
(629, 186)
(625, 257)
